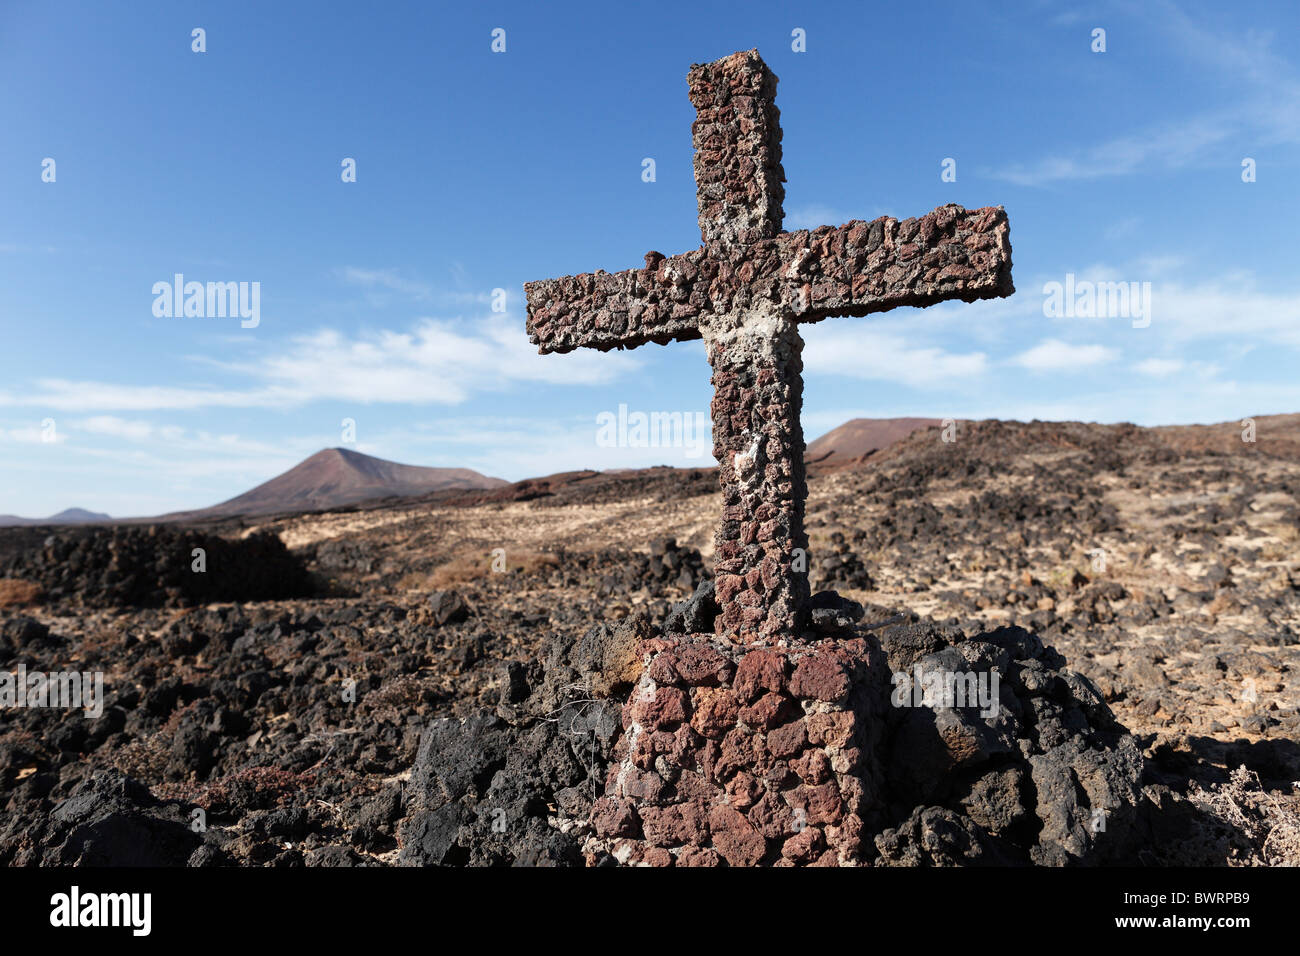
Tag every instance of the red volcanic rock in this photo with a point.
(834, 729)
(821, 803)
(663, 670)
(658, 856)
(643, 785)
(820, 676)
(742, 790)
(676, 824)
(698, 856)
(735, 838)
(748, 770)
(804, 847)
(715, 711)
(614, 818)
(740, 748)
(789, 739)
(766, 712)
(772, 817)
(812, 766)
(702, 664)
(847, 837)
(664, 706)
(758, 671)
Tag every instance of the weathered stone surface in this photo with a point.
(447, 607)
(111, 820)
(715, 712)
(696, 614)
(829, 613)
(821, 677)
(735, 838)
(742, 780)
(660, 707)
(758, 671)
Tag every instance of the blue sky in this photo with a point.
(479, 170)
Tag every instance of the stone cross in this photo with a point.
(744, 292)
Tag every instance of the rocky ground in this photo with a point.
(451, 691)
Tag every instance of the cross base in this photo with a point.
(745, 756)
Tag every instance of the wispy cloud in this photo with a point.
(1267, 111)
(1173, 145)
(29, 435)
(435, 362)
(414, 290)
(386, 279)
(1230, 307)
(520, 447)
(856, 351)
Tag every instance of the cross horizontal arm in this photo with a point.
(854, 269)
(619, 310)
(865, 267)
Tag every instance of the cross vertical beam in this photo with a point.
(754, 349)
(737, 140)
(758, 442)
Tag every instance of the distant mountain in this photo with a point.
(861, 436)
(67, 516)
(337, 477)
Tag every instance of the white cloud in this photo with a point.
(515, 448)
(855, 351)
(116, 427)
(1158, 367)
(29, 435)
(1230, 307)
(436, 362)
(1053, 355)
(64, 395)
(174, 439)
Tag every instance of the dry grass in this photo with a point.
(1266, 824)
(398, 698)
(472, 567)
(256, 787)
(18, 593)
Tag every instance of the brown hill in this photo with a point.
(1278, 435)
(991, 443)
(859, 437)
(337, 477)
